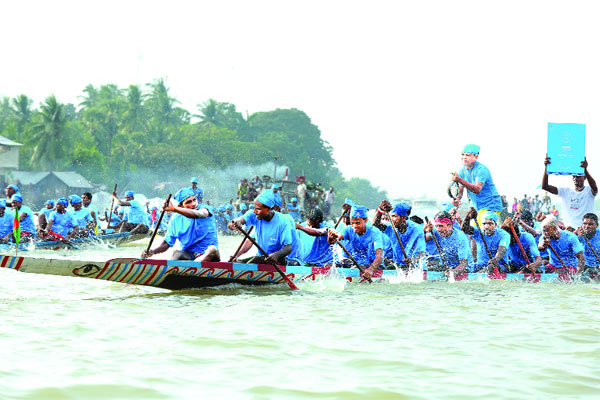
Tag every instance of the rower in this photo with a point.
(363, 241)
(531, 226)
(86, 199)
(319, 252)
(589, 231)
(295, 256)
(10, 191)
(194, 228)
(44, 213)
(476, 178)
(453, 242)
(198, 192)
(411, 234)
(273, 232)
(517, 262)
(28, 231)
(293, 210)
(134, 216)
(497, 241)
(62, 224)
(277, 194)
(6, 223)
(82, 216)
(565, 243)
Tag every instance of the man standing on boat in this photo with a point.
(454, 243)
(363, 241)
(496, 241)
(567, 247)
(410, 233)
(194, 228)
(61, 224)
(6, 223)
(476, 178)
(134, 217)
(589, 236)
(273, 232)
(575, 202)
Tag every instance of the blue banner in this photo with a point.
(566, 148)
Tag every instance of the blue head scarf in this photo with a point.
(16, 197)
(402, 209)
(294, 199)
(183, 194)
(51, 202)
(243, 207)
(63, 201)
(490, 215)
(359, 211)
(275, 186)
(194, 180)
(129, 193)
(74, 199)
(228, 207)
(471, 149)
(15, 188)
(349, 201)
(267, 198)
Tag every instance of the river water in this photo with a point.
(71, 338)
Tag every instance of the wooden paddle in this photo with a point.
(273, 263)
(438, 246)
(514, 233)
(231, 258)
(111, 208)
(591, 248)
(487, 249)
(157, 225)
(344, 213)
(362, 270)
(409, 262)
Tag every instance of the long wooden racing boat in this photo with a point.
(194, 274)
(116, 239)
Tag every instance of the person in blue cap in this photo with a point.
(363, 241)
(566, 244)
(456, 251)
(10, 191)
(497, 240)
(273, 231)
(6, 223)
(314, 237)
(82, 216)
(61, 223)
(589, 237)
(28, 230)
(198, 192)
(278, 198)
(134, 220)
(517, 262)
(86, 199)
(44, 213)
(293, 210)
(411, 234)
(477, 179)
(194, 228)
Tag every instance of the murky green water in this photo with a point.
(69, 338)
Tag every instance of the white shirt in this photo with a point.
(576, 204)
(329, 197)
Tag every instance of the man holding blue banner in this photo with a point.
(576, 202)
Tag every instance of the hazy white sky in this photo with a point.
(397, 88)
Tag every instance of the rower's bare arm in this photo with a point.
(311, 231)
(499, 254)
(473, 249)
(580, 262)
(462, 266)
(245, 248)
(161, 248)
(190, 213)
(535, 264)
(74, 232)
(545, 185)
(49, 226)
(237, 224)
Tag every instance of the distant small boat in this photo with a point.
(177, 274)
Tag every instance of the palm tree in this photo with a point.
(21, 106)
(134, 114)
(50, 131)
(209, 113)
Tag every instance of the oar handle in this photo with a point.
(512, 228)
(590, 246)
(361, 269)
(344, 213)
(556, 254)
(111, 206)
(157, 225)
(273, 263)
(487, 249)
(233, 257)
(398, 238)
(439, 248)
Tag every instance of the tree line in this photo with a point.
(114, 134)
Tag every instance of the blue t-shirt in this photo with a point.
(6, 223)
(27, 225)
(194, 234)
(91, 208)
(590, 258)
(62, 224)
(499, 238)
(455, 248)
(362, 247)
(529, 245)
(318, 250)
(296, 253)
(82, 217)
(271, 235)
(294, 211)
(46, 212)
(488, 198)
(413, 241)
(135, 213)
(566, 246)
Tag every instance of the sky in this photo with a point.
(397, 88)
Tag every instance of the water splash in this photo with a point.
(413, 275)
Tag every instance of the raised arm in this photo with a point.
(545, 185)
(591, 181)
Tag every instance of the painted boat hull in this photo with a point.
(177, 274)
(111, 238)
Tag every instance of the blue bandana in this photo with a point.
(471, 149)
(294, 199)
(75, 199)
(194, 180)
(183, 194)
(267, 198)
(16, 197)
(359, 211)
(275, 186)
(228, 207)
(349, 202)
(63, 201)
(15, 188)
(243, 206)
(129, 193)
(490, 215)
(51, 202)
(402, 209)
